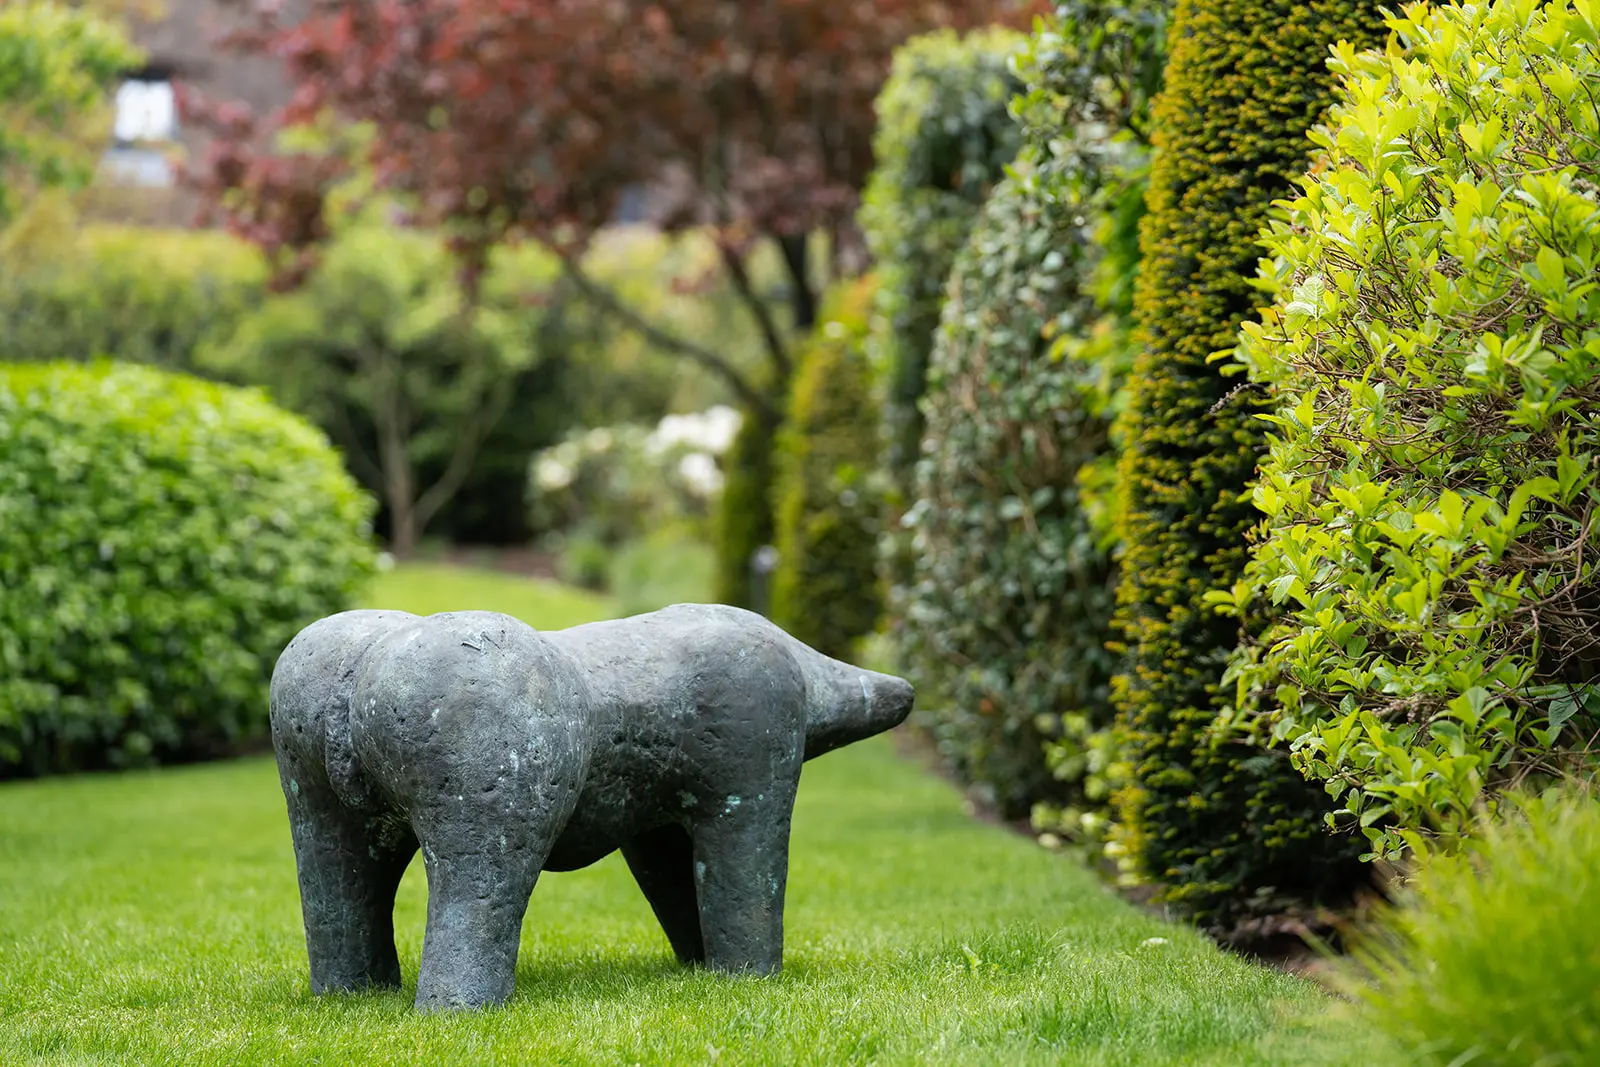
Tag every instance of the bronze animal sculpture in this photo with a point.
(502, 752)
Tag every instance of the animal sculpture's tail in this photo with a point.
(848, 703)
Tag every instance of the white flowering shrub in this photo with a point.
(612, 484)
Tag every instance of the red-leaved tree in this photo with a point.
(501, 119)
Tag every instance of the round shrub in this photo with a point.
(1006, 622)
(161, 540)
(1431, 490)
(825, 589)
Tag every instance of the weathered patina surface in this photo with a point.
(502, 752)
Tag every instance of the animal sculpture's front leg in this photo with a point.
(741, 868)
(481, 871)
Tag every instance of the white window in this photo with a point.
(146, 112)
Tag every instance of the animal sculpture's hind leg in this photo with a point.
(662, 862)
(350, 864)
(741, 866)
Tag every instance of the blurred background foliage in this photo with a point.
(56, 62)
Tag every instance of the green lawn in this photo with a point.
(154, 919)
(426, 588)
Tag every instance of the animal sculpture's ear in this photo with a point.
(343, 772)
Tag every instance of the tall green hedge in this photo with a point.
(744, 520)
(825, 590)
(1007, 618)
(1224, 827)
(1090, 73)
(1012, 590)
(161, 540)
(944, 138)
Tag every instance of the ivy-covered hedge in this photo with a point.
(1222, 827)
(1090, 73)
(1431, 491)
(161, 540)
(944, 138)
(1012, 590)
(1006, 620)
(825, 590)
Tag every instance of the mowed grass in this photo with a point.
(153, 918)
(427, 588)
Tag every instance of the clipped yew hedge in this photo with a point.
(825, 590)
(1226, 829)
(161, 540)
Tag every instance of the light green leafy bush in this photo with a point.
(56, 61)
(825, 590)
(131, 294)
(1493, 957)
(1435, 358)
(161, 540)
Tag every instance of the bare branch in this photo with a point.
(779, 352)
(469, 442)
(613, 305)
